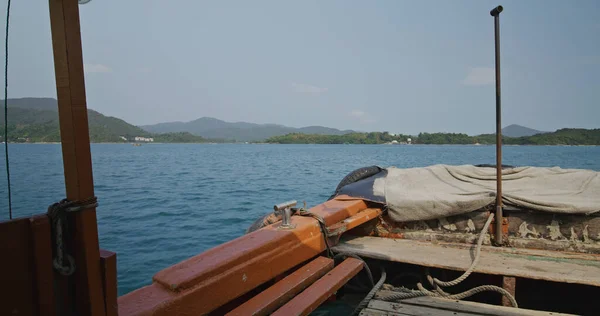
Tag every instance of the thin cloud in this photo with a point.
(361, 116)
(96, 68)
(479, 76)
(357, 113)
(589, 60)
(145, 70)
(308, 89)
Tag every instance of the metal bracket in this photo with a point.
(285, 209)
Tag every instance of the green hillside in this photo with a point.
(36, 120)
(565, 136)
(351, 138)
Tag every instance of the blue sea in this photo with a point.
(163, 203)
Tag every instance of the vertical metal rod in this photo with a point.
(287, 217)
(499, 216)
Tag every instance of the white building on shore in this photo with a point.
(144, 139)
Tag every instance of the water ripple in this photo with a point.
(160, 204)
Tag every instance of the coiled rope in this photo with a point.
(6, 110)
(404, 293)
(63, 262)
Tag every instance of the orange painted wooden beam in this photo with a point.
(75, 141)
(353, 221)
(281, 292)
(322, 289)
(203, 283)
(338, 209)
(219, 275)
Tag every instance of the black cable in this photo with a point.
(6, 111)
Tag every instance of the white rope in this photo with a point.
(474, 263)
(438, 284)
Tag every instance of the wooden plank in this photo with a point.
(376, 312)
(17, 291)
(516, 249)
(322, 289)
(353, 221)
(42, 257)
(474, 307)
(281, 292)
(407, 309)
(437, 306)
(491, 262)
(108, 263)
(72, 110)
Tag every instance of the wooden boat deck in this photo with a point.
(436, 306)
(526, 263)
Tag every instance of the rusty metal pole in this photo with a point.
(499, 216)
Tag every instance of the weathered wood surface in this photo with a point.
(526, 229)
(581, 228)
(529, 243)
(524, 263)
(437, 306)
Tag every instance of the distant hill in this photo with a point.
(515, 130)
(33, 103)
(36, 120)
(566, 136)
(209, 127)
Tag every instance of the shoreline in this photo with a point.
(262, 143)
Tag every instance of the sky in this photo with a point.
(397, 66)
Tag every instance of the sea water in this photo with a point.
(162, 203)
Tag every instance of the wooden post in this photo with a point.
(74, 134)
(509, 284)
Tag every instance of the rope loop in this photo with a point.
(402, 293)
(322, 225)
(64, 267)
(63, 262)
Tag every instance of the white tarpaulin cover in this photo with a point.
(442, 190)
